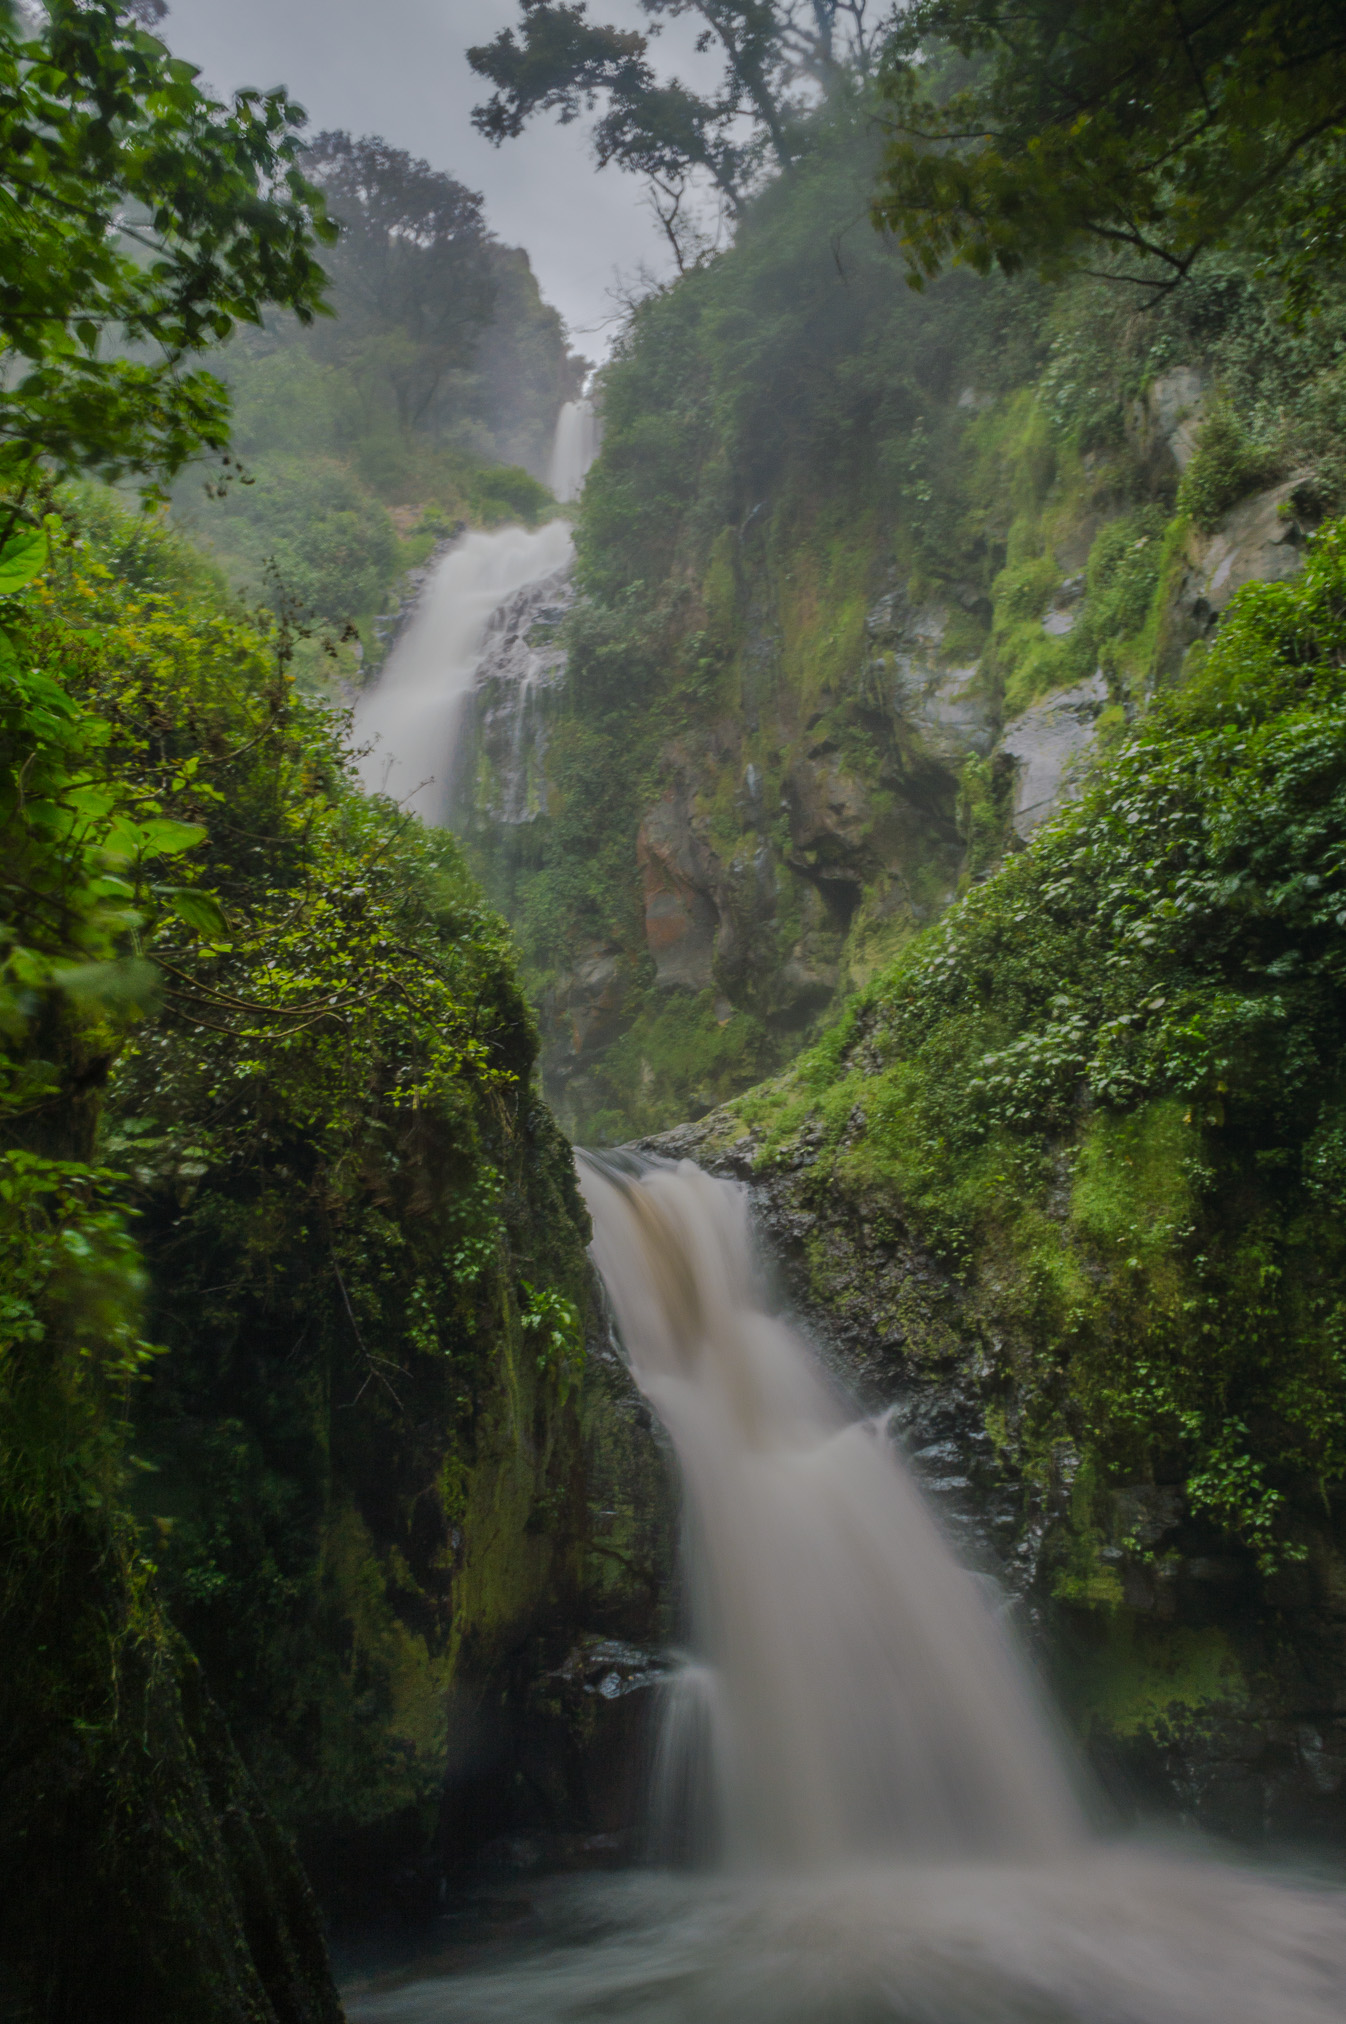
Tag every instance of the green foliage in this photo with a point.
(309, 529)
(680, 1056)
(505, 493)
(1226, 466)
(553, 1324)
(1041, 130)
(101, 1709)
(327, 1130)
(139, 209)
(1145, 1008)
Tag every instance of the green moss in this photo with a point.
(1143, 1680)
(1132, 1191)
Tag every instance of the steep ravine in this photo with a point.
(859, 610)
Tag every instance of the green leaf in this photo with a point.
(165, 838)
(22, 557)
(201, 911)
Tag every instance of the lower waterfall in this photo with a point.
(887, 1826)
(860, 1695)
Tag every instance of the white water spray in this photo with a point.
(854, 1692)
(410, 718)
(574, 449)
(412, 712)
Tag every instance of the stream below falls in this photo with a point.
(874, 1815)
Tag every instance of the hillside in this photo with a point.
(425, 400)
(862, 575)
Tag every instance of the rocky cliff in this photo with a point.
(864, 581)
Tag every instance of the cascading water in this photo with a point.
(409, 718)
(900, 1843)
(574, 449)
(863, 1698)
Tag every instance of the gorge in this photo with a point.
(673, 1030)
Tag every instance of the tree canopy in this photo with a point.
(775, 55)
(412, 270)
(1025, 132)
(141, 221)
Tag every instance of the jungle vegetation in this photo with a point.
(265, 1079)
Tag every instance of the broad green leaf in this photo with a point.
(22, 557)
(201, 911)
(165, 838)
(124, 840)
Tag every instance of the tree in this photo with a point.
(1025, 131)
(775, 55)
(412, 271)
(141, 222)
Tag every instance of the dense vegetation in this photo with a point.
(1105, 1090)
(291, 1336)
(424, 401)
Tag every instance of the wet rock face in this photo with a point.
(679, 877)
(503, 781)
(1260, 541)
(943, 705)
(1200, 1687)
(1050, 745)
(1166, 422)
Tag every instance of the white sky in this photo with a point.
(397, 68)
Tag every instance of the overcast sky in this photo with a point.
(397, 68)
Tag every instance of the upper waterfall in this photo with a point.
(574, 448)
(408, 720)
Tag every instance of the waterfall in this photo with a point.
(860, 1696)
(852, 1736)
(574, 448)
(409, 719)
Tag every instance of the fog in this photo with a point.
(399, 69)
